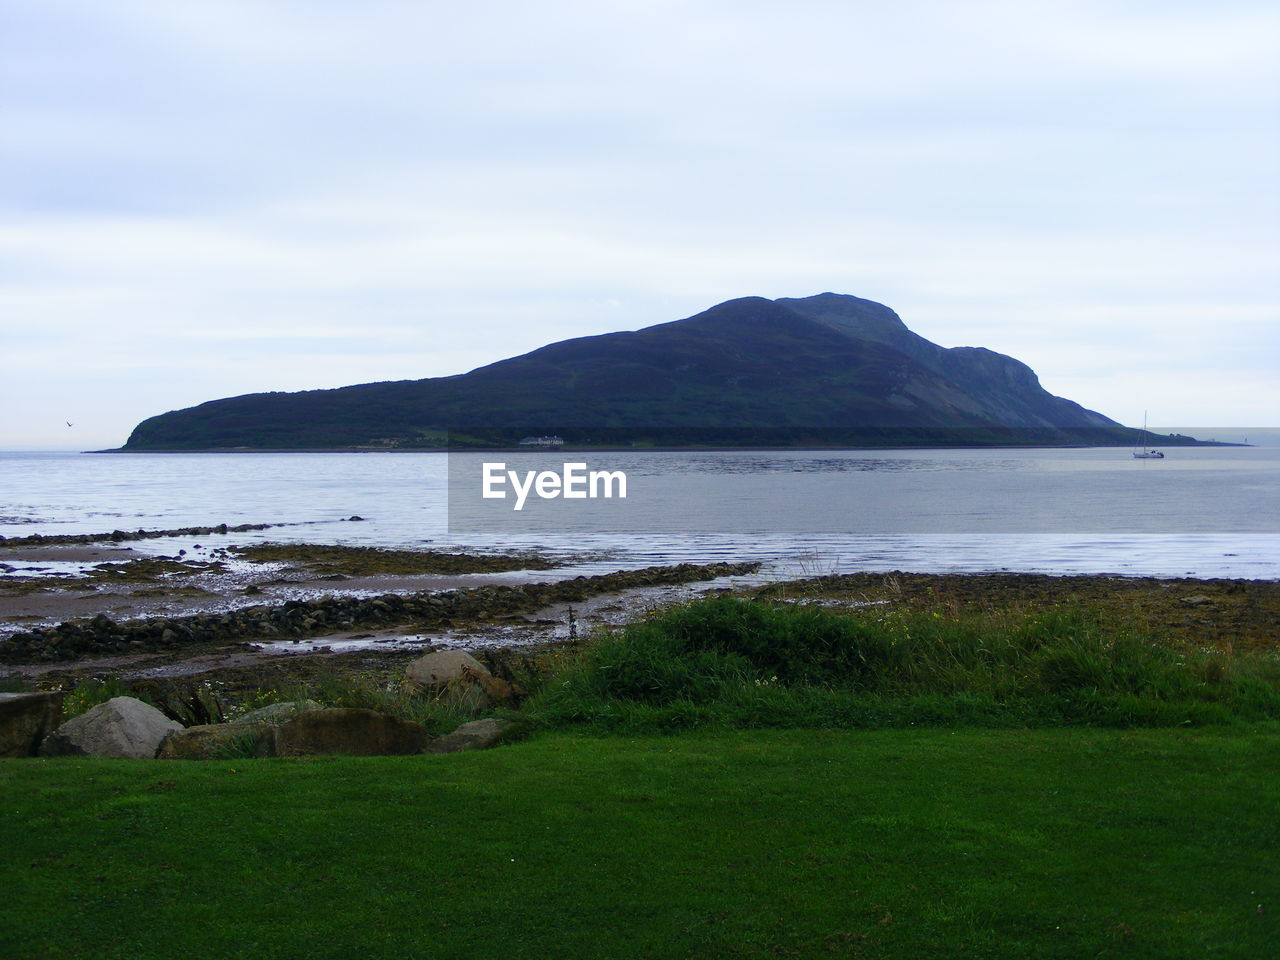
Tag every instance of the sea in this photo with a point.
(1202, 512)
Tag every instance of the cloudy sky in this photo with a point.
(203, 198)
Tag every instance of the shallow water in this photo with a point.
(1201, 512)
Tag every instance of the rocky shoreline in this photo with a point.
(44, 585)
(118, 536)
(277, 614)
(422, 610)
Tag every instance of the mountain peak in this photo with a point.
(857, 318)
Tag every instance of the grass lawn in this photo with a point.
(1069, 842)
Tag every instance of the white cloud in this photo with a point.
(287, 194)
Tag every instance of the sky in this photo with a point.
(202, 199)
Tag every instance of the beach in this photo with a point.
(301, 610)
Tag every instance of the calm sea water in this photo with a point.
(1201, 512)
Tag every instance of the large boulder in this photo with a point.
(218, 741)
(461, 680)
(26, 719)
(439, 669)
(476, 735)
(453, 676)
(348, 730)
(121, 727)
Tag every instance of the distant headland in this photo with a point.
(823, 371)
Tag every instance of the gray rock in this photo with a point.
(26, 719)
(121, 727)
(454, 676)
(278, 712)
(443, 667)
(476, 735)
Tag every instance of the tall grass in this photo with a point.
(730, 661)
(92, 691)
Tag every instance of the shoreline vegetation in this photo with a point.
(435, 594)
(755, 661)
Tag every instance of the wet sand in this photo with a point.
(65, 554)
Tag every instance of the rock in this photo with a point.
(278, 712)
(121, 727)
(348, 730)
(476, 735)
(1196, 601)
(443, 667)
(26, 719)
(216, 741)
(454, 676)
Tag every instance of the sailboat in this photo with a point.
(1146, 454)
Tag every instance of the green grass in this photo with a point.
(1062, 843)
(740, 663)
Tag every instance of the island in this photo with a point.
(829, 370)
